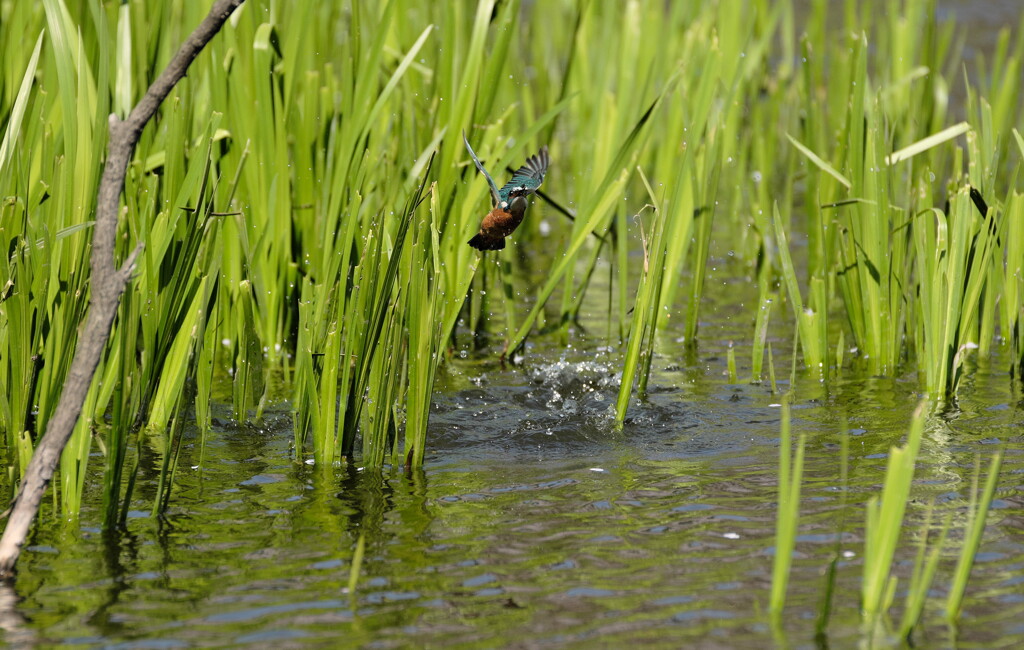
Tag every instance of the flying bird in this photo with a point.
(508, 205)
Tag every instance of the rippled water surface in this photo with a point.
(535, 524)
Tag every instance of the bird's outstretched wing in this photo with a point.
(528, 177)
(495, 200)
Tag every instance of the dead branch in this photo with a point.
(107, 284)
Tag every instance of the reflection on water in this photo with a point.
(535, 523)
(17, 631)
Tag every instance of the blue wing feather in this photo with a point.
(528, 177)
(480, 167)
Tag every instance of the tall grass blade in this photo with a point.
(820, 163)
(787, 516)
(885, 521)
(921, 146)
(17, 110)
(644, 307)
(972, 539)
(925, 566)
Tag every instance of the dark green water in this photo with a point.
(535, 524)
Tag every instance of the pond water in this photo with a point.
(535, 524)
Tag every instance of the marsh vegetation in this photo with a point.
(748, 207)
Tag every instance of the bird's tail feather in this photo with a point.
(484, 243)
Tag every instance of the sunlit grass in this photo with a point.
(977, 514)
(884, 523)
(787, 517)
(884, 531)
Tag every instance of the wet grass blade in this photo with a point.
(885, 522)
(760, 337)
(810, 323)
(925, 566)
(17, 110)
(378, 313)
(977, 516)
(787, 516)
(927, 143)
(820, 163)
(645, 306)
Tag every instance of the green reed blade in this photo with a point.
(925, 566)
(972, 540)
(820, 163)
(925, 144)
(123, 94)
(644, 314)
(884, 521)
(787, 514)
(17, 110)
(809, 322)
(760, 336)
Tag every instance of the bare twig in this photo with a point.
(107, 284)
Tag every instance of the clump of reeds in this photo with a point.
(884, 529)
(305, 199)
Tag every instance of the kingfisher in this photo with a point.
(508, 205)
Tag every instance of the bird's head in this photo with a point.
(517, 199)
